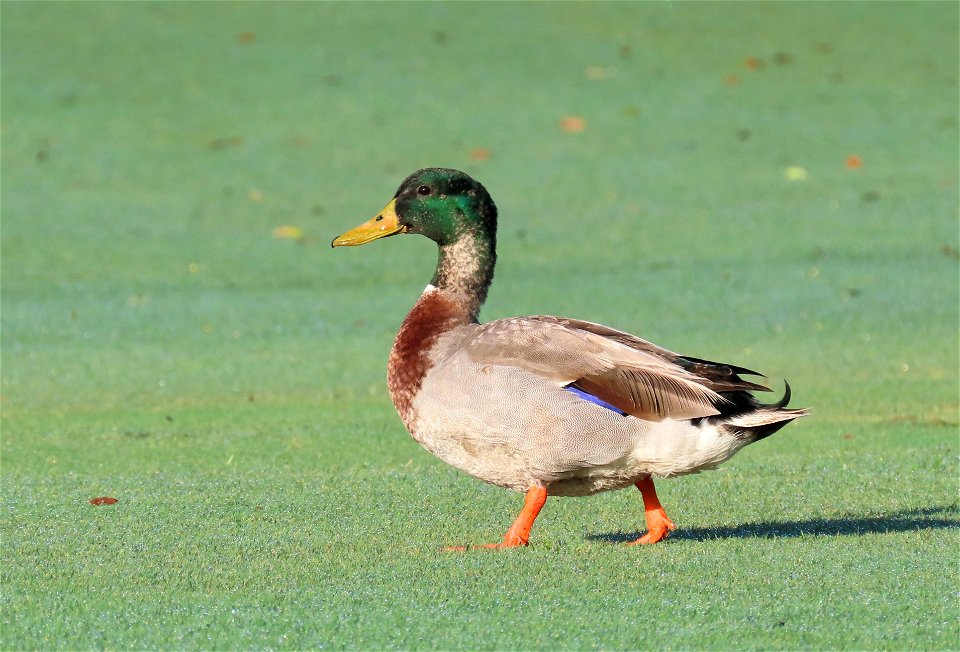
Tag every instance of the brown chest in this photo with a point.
(410, 359)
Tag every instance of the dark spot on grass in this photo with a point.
(332, 80)
(246, 37)
(853, 293)
(439, 38)
(218, 144)
(655, 265)
(783, 58)
(870, 197)
(317, 209)
(42, 156)
(847, 437)
(837, 77)
(779, 623)
(137, 434)
(950, 252)
(744, 134)
(169, 418)
(624, 51)
(948, 122)
(824, 48)
(103, 500)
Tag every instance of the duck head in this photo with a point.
(442, 204)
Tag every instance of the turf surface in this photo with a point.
(770, 184)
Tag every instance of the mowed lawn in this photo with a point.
(773, 185)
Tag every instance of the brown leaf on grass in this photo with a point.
(480, 154)
(246, 37)
(853, 162)
(103, 500)
(573, 124)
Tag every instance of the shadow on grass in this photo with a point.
(931, 518)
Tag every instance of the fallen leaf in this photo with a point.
(853, 162)
(246, 37)
(795, 173)
(753, 63)
(573, 124)
(480, 154)
(103, 500)
(731, 80)
(287, 232)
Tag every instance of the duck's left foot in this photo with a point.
(519, 533)
(659, 524)
(658, 527)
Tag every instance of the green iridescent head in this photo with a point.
(439, 203)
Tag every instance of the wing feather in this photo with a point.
(635, 376)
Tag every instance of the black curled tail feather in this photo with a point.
(782, 403)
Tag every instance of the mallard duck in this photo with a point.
(547, 405)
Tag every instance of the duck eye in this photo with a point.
(423, 190)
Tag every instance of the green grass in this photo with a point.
(159, 346)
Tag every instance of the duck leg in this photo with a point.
(658, 525)
(519, 532)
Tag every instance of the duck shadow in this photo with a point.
(911, 520)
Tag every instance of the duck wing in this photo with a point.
(718, 376)
(633, 375)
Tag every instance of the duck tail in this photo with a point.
(765, 420)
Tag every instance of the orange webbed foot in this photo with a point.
(657, 530)
(519, 533)
(659, 524)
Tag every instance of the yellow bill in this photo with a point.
(384, 224)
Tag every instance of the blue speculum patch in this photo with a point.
(593, 399)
